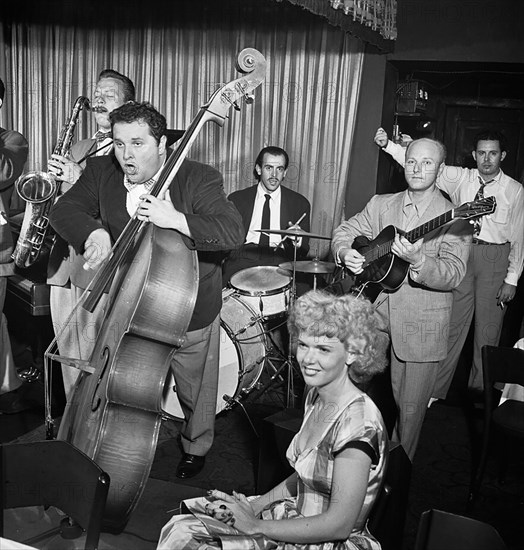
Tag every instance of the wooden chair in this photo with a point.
(439, 530)
(54, 473)
(503, 365)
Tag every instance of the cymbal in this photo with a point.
(293, 233)
(312, 266)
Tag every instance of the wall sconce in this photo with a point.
(425, 125)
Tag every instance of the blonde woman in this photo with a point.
(339, 454)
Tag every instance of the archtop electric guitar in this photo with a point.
(385, 271)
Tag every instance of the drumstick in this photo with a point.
(287, 236)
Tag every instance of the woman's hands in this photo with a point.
(234, 510)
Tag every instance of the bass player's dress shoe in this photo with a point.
(190, 465)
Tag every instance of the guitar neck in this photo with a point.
(424, 229)
(384, 248)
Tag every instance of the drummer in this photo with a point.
(269, 205)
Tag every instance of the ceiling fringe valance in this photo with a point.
(373, 21)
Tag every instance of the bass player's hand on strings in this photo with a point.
(162, 213)
(96, 248)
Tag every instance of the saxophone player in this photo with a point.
(112, 90)
(66, 277)
(13, 155)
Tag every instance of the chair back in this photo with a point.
(439, 530)
(55, 473)
(503, 364)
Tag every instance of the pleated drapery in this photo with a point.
(307, 103)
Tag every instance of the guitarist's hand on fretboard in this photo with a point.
(352, 259)
(409, 252)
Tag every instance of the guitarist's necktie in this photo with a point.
(477, 224)
(266, 221)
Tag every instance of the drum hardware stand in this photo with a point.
(274, 358)
(277, 376)
(294, 234)
(290, 395)
(230, 401)
(287, 362)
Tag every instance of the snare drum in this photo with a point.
(265, 288)
(242, 355)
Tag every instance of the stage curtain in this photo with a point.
(307, 103)
(373, 21)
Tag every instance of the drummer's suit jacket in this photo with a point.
(292, 206)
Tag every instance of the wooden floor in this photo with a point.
(440, 474)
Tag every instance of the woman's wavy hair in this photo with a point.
(348, 318)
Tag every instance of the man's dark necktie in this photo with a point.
(477, 223)
(266, 221)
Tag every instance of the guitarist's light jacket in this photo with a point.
(505, 225)
(418, 312)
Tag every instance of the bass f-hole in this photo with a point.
(97, 400)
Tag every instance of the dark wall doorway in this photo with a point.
(463, 98)
(463, 122)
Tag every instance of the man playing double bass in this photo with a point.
(93, 213)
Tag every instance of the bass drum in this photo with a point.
(242, 356)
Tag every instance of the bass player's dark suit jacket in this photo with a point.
(98, 199)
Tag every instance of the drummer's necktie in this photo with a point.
(266, 221)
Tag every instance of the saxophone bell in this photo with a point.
(39, 190)
(36, 187)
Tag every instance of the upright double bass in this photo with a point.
(114, 413)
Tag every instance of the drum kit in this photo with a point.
(254, 306)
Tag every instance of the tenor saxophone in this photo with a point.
(39, 190)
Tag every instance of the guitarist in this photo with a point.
(497, 255)
(417, 313)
